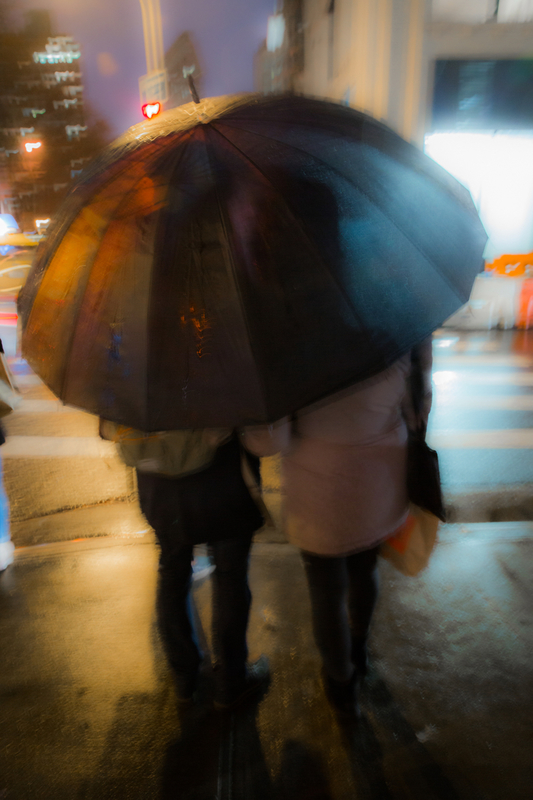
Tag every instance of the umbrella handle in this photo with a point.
(192, 89)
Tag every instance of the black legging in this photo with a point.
(343, 594)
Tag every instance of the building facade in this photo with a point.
(279, 61)
(181, 60)
(364, 53)
(478, 115)
(43, 133)
(380, 55)
(455, 76)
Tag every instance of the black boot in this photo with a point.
(255, 679)
(185, 686)
(342, 695)
(360, 655)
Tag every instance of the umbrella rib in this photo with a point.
(298, 223)
(65, 377)
(453, 187)
(129, 160)
(344, 177)
(234, 271)
(174, 163)
(125, 199)
(55, 237)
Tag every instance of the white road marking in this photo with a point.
(93, 447)
(515, 402)
(57, 447)
(46, 407)
(517, 438)
(29, 379)
(450, 339)
(451, 377)
(444, 359)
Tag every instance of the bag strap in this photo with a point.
(249, 459)
(416, 380)
(252, 479)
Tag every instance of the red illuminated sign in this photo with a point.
(151, 109)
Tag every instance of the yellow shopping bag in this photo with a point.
(410, 547)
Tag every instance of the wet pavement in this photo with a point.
(54, 462)
(481, 423)
(87, 706)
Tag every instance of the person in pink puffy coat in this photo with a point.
(344, 477)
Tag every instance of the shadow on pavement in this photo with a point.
(221, 756)
(416, 774)
(88, 710)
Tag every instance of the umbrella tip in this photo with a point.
(192, 89)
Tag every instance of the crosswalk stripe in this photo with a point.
(93, 447)
(459, 360)
(515, 402)
(449, 377)
(517, 438)
(57, 447)
(445, 398)
(46, 407)
(472, 346)
(516, 378)
(28, 379)
(518, 402)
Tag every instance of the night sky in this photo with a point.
(227, 34)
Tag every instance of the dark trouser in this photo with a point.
(173, 507)
(231, 606)
(343, 594)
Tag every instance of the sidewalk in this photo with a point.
(87, 707)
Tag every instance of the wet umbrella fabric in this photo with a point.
(235, 260)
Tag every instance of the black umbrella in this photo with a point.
(237, 259)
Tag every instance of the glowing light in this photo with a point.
(8, 320)
(275, 32)
(8, 224)
(74, 130)
(443, 377)
(42, 223)
(153, 87)
(56, 58)
(151, 109)
(30, 146)
(497, 169)
(515, 11)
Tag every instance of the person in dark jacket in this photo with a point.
(212, 505)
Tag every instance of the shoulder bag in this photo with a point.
(410, 547)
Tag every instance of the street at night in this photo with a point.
(88, 707)
(481, 425)
(88, 704)
(266, 400)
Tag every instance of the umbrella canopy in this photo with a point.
(234, 260)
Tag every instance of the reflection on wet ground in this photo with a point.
(88, 708)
